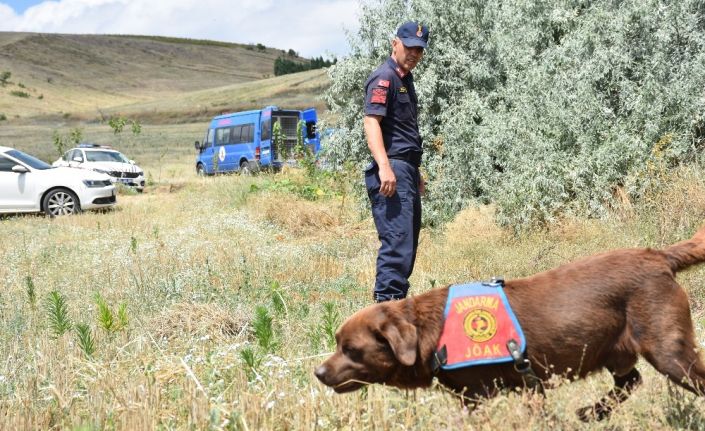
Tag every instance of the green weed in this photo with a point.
(252, 360)
(278, 299)
(58, 314)
(264, 329)
(85, 339)
(31, 293)
(330, 322)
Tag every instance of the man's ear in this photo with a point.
(403, 339)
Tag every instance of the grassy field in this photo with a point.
(205, 303)
(58, 75)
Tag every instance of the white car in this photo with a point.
(105, 160)
(28, 184)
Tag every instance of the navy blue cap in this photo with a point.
(413, 34)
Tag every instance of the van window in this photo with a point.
(248, 133)
(235, 134)
(266, 127)
(208, 140)
(222, 136)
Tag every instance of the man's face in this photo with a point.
(406, 57)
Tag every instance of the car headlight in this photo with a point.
(96, 183)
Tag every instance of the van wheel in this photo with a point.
(200, 170)
(245, 168)
(60, 202)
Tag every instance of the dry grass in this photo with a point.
(193, 259)
(194, 320)
(85, 73)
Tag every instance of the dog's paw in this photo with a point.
(597, 412)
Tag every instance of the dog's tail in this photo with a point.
(683, 254)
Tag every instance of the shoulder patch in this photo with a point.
(403, 90)
(379, 95)
(383, 83)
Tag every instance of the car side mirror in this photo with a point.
(198, 145)
(20, 169)
(78, 159)
(132, 162)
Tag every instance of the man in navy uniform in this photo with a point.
(393, 181)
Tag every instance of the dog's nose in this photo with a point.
(320, 372)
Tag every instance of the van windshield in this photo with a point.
(28, 160)
(106, 156)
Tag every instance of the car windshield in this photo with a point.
(28, 160)
(105, 156)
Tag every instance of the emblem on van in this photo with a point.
(221, 154)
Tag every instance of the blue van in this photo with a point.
(242, 141)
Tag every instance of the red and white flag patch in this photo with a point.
(383, 83)
(379, 95)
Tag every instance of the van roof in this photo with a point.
(237, 114)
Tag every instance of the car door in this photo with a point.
(16, 189)
(76, 154)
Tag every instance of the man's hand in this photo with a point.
(387, 180)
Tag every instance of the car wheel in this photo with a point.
(245, 168)
(60, 202)
(200, 170)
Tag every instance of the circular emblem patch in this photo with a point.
(221, 154)
(480, 325)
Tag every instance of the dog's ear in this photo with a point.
(403, 339)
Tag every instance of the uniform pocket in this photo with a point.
(393, 215)
(403, 106)
(371, 179)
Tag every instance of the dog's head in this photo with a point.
(373, 346)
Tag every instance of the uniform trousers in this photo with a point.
(398, 222)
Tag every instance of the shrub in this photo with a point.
(21, 94)
(542, 108)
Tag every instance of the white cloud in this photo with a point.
(311, 27)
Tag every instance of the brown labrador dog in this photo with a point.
(603, 311)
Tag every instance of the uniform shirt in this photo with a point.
(390, 93)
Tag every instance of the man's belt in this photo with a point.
(412, 157)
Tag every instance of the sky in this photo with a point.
(310, 27)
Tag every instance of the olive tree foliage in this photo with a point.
(545, 108)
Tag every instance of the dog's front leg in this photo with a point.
(623, 386)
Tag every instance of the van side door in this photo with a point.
(264, 136)
(246, 149)
(223, 149)
(311, 137)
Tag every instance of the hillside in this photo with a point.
(293, 91)
(67, 74)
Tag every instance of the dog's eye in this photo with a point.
(380, 339)
(352, 353)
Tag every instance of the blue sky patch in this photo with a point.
(20, 5)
